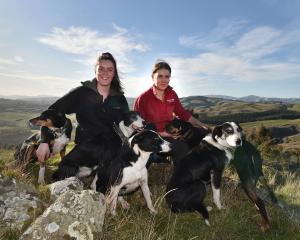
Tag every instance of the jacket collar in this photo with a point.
(168, 89)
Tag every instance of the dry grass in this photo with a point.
(238, 221)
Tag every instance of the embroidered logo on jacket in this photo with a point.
(170, 100)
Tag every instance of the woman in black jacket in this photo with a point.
(97, 104)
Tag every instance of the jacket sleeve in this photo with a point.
(139, 106)
(67, 103)
(124, 104)
(180, 111)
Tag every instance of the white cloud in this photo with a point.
(11, 61)
(7, 61)
(27, 83)
(18, 59)
(239, 56)
(218, 38)
(87, 43)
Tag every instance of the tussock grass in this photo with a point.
(239, 219)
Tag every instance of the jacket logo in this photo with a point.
(170, 100)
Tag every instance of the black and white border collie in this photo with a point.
(127, 172)
(85, 158)
(186, 132)
(186, 189)
(55, 130)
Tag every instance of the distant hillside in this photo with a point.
(218, 110)
(8, 105)
(209, 109)
(253, 98)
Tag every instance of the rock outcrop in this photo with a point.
(74, 215)
(17, 200)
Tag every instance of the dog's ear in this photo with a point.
(127, 118)
(239, 127)
(217, 132)
(136, 138)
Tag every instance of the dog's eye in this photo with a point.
(229, 131)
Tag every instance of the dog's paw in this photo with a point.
(221, 207)
(41, 181)
(102, 199)
(209, 208)
(153, 211)
(113, 212)
(125, 204)
(108, 200)
(264, 227)
(207, 222)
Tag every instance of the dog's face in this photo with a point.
(228, 134)
(178, 127)
(150, 141)
(133, 120)
(49, 118)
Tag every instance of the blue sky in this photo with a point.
(228, 47)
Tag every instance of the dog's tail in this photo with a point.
(24, 153)
(270, 191)
(18, 153)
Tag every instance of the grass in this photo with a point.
(238, 221)
(270, 123)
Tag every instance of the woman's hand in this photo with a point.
(43, 152)
(196, 123)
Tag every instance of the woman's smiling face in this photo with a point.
(161, 79)
(105, 72)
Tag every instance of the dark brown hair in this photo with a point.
(161, 65)
(116, 83)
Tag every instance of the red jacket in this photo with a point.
(160, 112)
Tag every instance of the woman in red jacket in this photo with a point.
(160, 103)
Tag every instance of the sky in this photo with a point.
(235, 48)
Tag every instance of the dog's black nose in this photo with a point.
(144, 123)
(238, 142)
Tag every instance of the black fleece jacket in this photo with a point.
(95, 118)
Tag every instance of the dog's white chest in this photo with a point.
(60, 143)
(229, 156)
(132, 178)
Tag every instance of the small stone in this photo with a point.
(52, 227)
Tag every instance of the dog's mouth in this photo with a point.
(137, 128)
(238, 142)
(174, 131)
(40, 123)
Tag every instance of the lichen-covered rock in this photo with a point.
(60, 187)
(16, 201)
(74, 215)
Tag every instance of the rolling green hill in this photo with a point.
(14, 114)
(217, 110)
